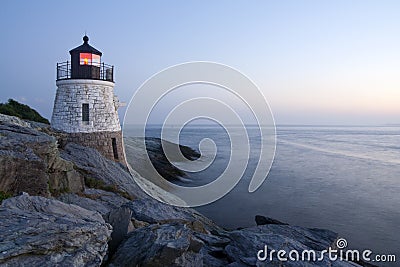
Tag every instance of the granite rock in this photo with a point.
(37, 231)
(95, 199)
(91, 164)
(160, 245)
(153, 211)
(30, 161)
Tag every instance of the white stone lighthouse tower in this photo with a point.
(85, 107)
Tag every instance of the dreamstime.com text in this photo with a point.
(339, 253)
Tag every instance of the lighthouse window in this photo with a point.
(96, 60)
(85, 112)
(114, 147)
(86, 59)
(89, 59)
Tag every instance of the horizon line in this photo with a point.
(279, 125)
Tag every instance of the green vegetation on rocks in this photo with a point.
(14, 108)
(4, 195)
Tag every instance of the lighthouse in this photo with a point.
(85, 107)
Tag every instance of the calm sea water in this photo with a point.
(346, 179)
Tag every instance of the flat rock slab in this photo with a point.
(36, 231)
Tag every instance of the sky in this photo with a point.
(316, 62)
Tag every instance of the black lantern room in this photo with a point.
(85, 64)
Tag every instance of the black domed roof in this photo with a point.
(85, 48)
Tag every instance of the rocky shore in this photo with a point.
(81, 209)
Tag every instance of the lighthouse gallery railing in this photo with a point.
(105, 72)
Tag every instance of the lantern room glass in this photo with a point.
(95, 60)
(89, 59)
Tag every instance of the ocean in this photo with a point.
(346, 179)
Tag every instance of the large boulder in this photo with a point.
(36, 231)
(120, 219)
(153, 211)
(108, 175)
(30, 161)
(101, 172)
(245, 244)
(96, 200)
(110, 206)
(160, 245)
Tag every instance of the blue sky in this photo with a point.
(317, 62)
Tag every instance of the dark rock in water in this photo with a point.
(262, 220)
(157, 145)
(30, 162)
(155, 151)
(36, 231)
(155, 148)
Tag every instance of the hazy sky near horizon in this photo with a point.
(317, 62)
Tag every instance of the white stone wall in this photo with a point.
(103, 105)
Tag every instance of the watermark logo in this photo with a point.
(213, 108)
(341, 243)
(332, 254)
